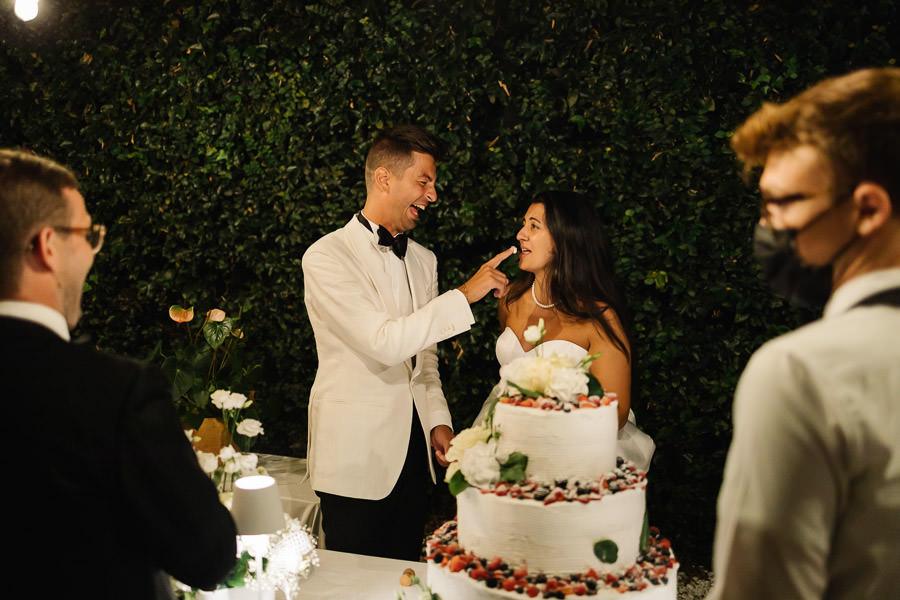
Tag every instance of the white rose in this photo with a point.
(235, 401)
(219, 397)
(209, 462)
(567, 384)
(452, 468)
(250, 428)
(529, 372)
(232, 466)
(535, 333)
(464, 440)
(481, 465)
(227, 453)
(249, 463)
(562, 362)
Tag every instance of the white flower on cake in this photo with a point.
(250, 428)
(480, 464)
(464, 440)
(567, 383)
(541, 374)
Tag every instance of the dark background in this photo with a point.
(217, 140)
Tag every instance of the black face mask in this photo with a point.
(798, 283)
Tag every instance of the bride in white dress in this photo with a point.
(567, 280)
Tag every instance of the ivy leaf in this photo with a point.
(457, 483)
(513, 469)
(607, 551)
(217, 332)
(182, 381)
(594, 387)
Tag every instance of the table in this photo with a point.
(298, 499)
(344, 576)
(340, 575)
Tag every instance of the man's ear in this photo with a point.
(874, 205)
(44, 251)
(383, 179)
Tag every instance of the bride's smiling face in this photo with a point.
(535, 242)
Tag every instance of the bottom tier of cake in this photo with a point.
(455, 573)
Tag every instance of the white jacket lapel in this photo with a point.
(417, 288)
(362, 246)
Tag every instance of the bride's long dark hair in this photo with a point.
(580, 273)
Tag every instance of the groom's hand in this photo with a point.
(487, 278)
(440, 441)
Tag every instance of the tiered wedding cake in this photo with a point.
(544, 506)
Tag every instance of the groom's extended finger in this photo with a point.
(495, 262)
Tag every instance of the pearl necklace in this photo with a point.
(533, 297)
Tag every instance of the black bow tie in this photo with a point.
(396, 244)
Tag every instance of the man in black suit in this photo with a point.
(106, 494)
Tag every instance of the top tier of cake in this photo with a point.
(577, 444)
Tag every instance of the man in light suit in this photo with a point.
(107, 493)
(376, 407)
(810, 502)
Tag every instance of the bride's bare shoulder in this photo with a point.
(509, 313)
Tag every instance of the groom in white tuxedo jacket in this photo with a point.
(376, 408)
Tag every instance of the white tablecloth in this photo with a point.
(343, 576)
(340, 575)
(297, 497)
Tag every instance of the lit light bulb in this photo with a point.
(26, 9)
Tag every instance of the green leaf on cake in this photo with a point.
(645, 533)
(513, 469)
(489, 418)
(594, 387)
(607, 551)
(457, 483)
(525, 391)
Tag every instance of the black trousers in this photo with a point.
(392, 527)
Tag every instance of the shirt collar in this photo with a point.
(858, 288)
(373, 233)
(36, 313)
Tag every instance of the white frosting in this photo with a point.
(576, 445)
(554, 538)
(460, 585)
(558, 537)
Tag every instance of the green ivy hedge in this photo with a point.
(218, 139)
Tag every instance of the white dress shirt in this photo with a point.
(396, 268)
(810, 503)
(37, 313)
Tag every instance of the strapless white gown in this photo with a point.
(631, 443)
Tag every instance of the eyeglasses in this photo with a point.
(93, 234)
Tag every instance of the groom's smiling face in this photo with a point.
(410, 193)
